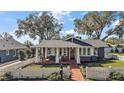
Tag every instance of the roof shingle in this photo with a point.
(56, 43)
(10, 44)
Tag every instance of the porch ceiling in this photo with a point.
(56, 44)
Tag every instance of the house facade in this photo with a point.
(9, 48)
(70, 49)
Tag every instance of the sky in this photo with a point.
(8, 22)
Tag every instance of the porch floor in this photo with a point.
(53, 62)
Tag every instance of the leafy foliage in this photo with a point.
(123, 50)
(44, 25)
(116, 50)
(28, 43)
(113, 40)
(116, 76)
(57, 77)
(94, 23)
(22, 55)
(6, 76)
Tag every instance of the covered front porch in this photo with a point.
(57, 51)
(59, 55)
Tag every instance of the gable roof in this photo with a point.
(10, 43)
(56, 43)
(95, 43)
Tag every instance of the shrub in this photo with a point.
(29, 54)
(7, 76)
(22, 55)
(57, 77)
(116, 76)
(123, 50)
(116, 50)
(112, 50)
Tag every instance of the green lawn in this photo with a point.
(112, 63)
(35, 66)
(121, 54)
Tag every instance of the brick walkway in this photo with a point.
(76, 74)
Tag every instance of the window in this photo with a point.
(95, 51)
(49, 51)
(7, 52)
(84, 51)
(88, 51)
(65, 52)
(14, 53)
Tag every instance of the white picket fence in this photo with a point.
(41, 73)
(100, 73)
(15, 66)
(36, 73)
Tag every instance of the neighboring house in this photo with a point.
(70, 49)
(9, 48)
(112, 48)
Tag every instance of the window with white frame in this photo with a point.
(88, 51)
(95, 51)
(14, 53)
(65, 53)
(84, 51)
(49, 51)
(7, 52)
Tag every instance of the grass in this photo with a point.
(36, 66)
(120, 54)
(33, 66)
(112, 63)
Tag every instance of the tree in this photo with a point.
(114, 41)
(28, 43)
(44, 25)
(29, 51)
(93, 24)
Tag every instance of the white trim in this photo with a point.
(36, 55)
(78, 57)
(46, 52)
(57, 55)
(14, 53)
(7, 52)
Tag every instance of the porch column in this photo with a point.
(66, 49)
(78, 56)
(92, 51)
(36, 55)
(45, 52)
(41, 54)
(69, 53)
(57, 55)
(62, 51)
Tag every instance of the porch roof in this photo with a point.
(56, 43)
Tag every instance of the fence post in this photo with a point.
(86, 72)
